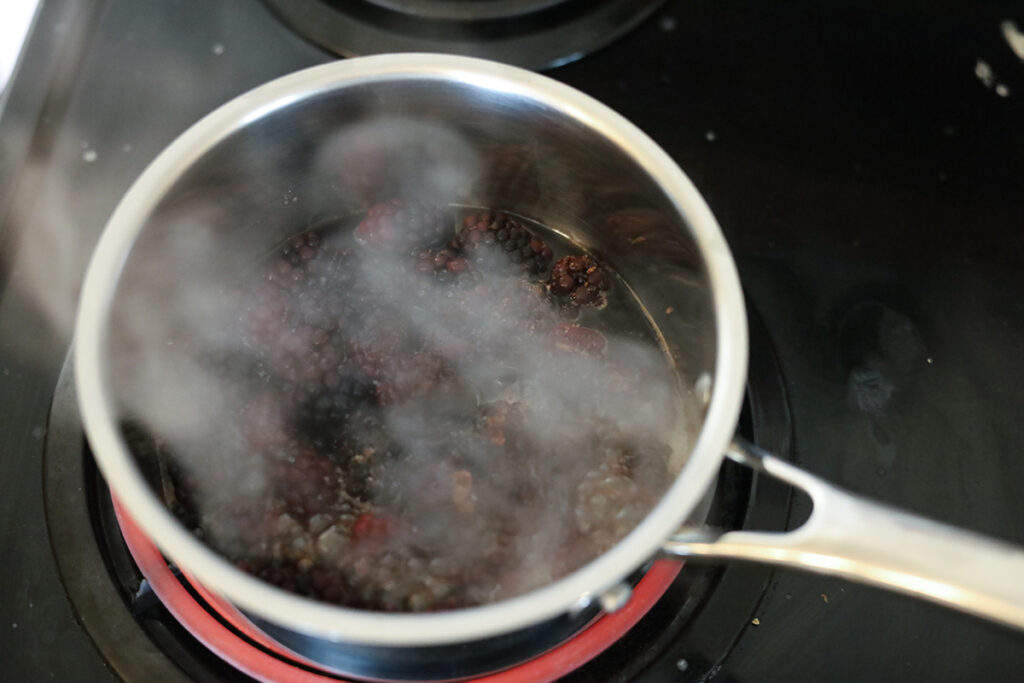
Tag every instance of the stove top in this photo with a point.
(866, 164)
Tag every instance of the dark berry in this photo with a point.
(524, 250)
(444, 263)
(374, 528)
(402, 225)
(300, 249)
(307, 484)
(330, 405)
(580, 278)
(406, 378)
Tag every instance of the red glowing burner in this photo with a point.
(281, 666)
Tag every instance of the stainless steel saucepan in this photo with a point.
(339, 136)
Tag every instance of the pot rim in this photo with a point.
(339, 623)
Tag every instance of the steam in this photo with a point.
(421, 161)
(499, 439)
(173, 322)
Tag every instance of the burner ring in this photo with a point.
(480, 10)
(536, 34)
(198, 620)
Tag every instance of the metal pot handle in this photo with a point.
(857, 539)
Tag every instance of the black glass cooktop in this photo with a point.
(866, 162)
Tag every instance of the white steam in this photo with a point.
(511, 465)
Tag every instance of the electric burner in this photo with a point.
(529, 33)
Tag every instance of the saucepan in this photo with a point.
(500, 137)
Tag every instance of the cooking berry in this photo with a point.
(406, 378)
(301, 248)
(307, 483)
(521, 248)
(443, 263)
(562, 283)
(374, 528)
(457, 265)
(399, 225)
(585, 295)
(581, 278)
(262, 424)
(330, 406)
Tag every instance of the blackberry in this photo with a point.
(262, 423)
(413, 376)
(374, 528)
(367, 431)
(526, 301)
(287, 276)
(308, 484)
(581, 278)
(338, 394)
(507, 425)
(381, 337)
(333, 293)
(403, 225)
(444, 263)
(301, 248)
(508, 237)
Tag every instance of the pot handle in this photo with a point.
(867, 542)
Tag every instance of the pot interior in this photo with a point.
(318, 162)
